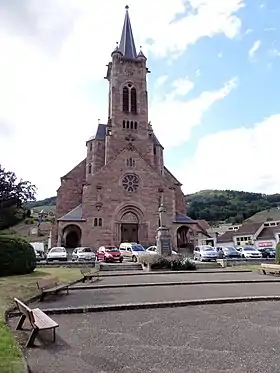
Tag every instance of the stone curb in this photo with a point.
(137, 285)
(154, 305)
(143, 273)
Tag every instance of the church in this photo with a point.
(113, 195)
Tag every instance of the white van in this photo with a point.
(131, 250)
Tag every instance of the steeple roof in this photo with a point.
(127, 45)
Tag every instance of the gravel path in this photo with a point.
(78, 298)
(236, 338)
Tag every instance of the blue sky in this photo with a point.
(213, 91)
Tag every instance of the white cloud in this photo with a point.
(52, 66)
(173, 120)
(254, 48)
(161, 80)
(241, 159)
(182, 86)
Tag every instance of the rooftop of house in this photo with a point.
(248, 228)
(226, 237)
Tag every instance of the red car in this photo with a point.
(109, 254)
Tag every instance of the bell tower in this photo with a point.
(128, 98)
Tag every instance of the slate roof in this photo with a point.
(127, 45)
(249, 228)
(74, 215)
(268, 232)
(226, 237)
(181, 218)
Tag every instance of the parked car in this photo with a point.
(57, 253)
(83, 253)
(230, 252)
(249, 252)
(131, 251)
(109, 254)
(154, 250)
(205, 253)
(267, 252)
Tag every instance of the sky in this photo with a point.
(213, 92)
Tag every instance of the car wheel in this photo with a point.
(134, 259)
(201, 259)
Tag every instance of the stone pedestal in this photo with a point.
(164, 241)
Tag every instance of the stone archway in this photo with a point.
(129, 227)
(72, 235)
(185, 238)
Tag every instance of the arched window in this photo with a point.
(89, 168)
(123, 123)
(95, 222)
(133, 100)
(135, 125)
(100, 222)
(131, 125)
(125, 99)
(127, 124)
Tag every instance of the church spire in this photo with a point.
(127, 45)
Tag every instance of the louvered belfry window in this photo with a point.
(125, 99)
(133, 100)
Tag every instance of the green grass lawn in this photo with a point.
(22, 287)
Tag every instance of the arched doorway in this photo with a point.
(72, 235)
(185, 238)
(129, 227)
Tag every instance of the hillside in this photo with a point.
(211, 205)
(228, 205)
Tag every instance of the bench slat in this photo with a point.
(43, 321)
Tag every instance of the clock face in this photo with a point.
(128, 72)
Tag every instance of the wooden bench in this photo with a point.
(50, 286)
(38, 320)
(270, 268)
(89, 273)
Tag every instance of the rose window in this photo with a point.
(130, 183)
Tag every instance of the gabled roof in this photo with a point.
(203, 224)
(74, 215)
(249, 228)
(268, 232)
(127, 45)
(175, 179)
(226, 237)
(181, 218)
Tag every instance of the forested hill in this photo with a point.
(228, 205)
(214, 205)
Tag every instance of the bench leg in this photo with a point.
(32, 337)
(21, 321)
(67, 290)
(264, 271)
(42, 296)
(54, 335)
(83, 280)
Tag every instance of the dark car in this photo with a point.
(231, 253)
(267, 252)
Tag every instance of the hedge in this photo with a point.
(17, 256)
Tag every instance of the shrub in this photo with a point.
(277, 256)
(17, 256)
(173, 262)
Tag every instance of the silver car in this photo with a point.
(83, 254)
(205, 253)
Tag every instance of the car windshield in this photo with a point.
(58, 250)
(230, 249)
(111, 249)
(137, 248)
(249, 249)
(207, 249)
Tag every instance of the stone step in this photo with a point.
(120, 267)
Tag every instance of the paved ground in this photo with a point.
(236, 338)
(79, 298)
(181, 277)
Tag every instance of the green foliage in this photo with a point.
(277, 256)
(17, 256)
(173, 262)
(51, 201)
(228, 205)
(29, 221)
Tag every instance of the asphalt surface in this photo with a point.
(236, 338)
(150, 278)
(80, 298)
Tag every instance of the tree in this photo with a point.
(13, 195)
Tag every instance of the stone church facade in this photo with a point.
(113, 195)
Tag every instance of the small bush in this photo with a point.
(173, 262)
(17, 256)
(277, 256)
